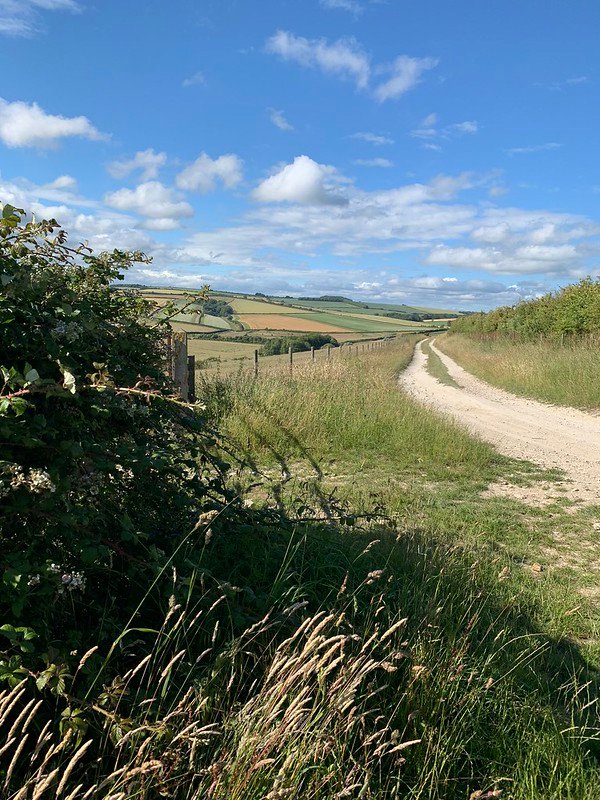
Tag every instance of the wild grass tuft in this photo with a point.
(348, 406)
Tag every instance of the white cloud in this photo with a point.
(28, 125)
(202, 175)
(405, 73)
(304, 181)
(151, 199)
(197, 79)
(372, 138)
(161, 224)
(428, 131)
(534, 148)
(345, 5)
(146, 161)
(558, 86)
(67, 182)
(373, 162)
(278, 119)
(347, 59)
(469, 126)
(344, 57)
(21, 17)
(289, 247)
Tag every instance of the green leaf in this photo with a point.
(32, 375)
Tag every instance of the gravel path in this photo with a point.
(550, 436)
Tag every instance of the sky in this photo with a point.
(433, 153)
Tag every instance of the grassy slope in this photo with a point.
(568, 375)
(367, 439)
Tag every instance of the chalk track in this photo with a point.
(550, 436)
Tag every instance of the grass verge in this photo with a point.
(437, 368)
(565, 375)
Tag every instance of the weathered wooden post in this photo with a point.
(291, 355)
(256, 363)
(179, 362)
(329, 353)
(312, 354)
(191, 378)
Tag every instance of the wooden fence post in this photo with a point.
(291, 355)
(191, 364)
(312, 354)
(180, 363)
(329, 353)
(256, 363)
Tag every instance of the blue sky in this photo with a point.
(429, 153)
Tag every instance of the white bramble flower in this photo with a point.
(40, 481)
(72, 581)
(34, 580)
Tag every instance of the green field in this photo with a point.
(354, 323)
(343, 315)
(203, 349)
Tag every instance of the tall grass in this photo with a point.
(566, 374)
(314, 659)
(315, 664)
(352, 405)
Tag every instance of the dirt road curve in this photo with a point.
(551, 436)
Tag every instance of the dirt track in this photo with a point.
(551, 436)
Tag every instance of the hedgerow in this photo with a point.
(102, 469)
(571, 311)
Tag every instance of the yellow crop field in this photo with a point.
(284, 322)
(215, 348)
(242, 306)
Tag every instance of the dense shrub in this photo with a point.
(571, 311)
(102, 470)
(218, 308)
(281, 344)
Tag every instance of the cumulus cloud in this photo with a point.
(463, 247)
(405, 73)
(27, 125)
(304, 181)
(147, 162)
(67, 182)
(278, 119)
(22, 17)
(151, 199)
(372, 138)
(344, 57)
(202, 175)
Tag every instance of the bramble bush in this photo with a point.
(102, 469)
